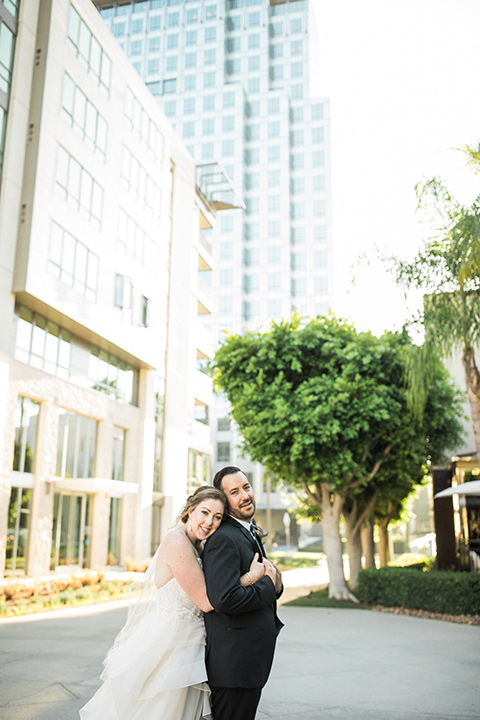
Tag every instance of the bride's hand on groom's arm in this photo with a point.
(273, 573)
(256, 572)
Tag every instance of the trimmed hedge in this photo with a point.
(455, 593)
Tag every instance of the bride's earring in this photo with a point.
(189, 526)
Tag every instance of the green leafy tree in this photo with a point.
(447, 268)
(317, 404)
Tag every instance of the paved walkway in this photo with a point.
(329, 665)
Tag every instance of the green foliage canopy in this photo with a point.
(317, 402)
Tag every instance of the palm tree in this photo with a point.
(448, 269)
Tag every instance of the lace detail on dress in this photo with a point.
(172, 598)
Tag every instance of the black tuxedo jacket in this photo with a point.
(243, 627)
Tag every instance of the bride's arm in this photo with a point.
(183, 562)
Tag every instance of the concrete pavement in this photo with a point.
(330, 664)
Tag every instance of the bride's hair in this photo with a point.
(206, 492)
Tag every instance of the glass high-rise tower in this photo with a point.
(233, 76)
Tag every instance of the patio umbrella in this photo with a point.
(468, 488)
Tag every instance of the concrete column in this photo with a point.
(146, 450)
(41, 517)
(6, 445)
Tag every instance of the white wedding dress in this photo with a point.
(156, 668)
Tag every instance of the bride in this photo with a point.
(156, 666)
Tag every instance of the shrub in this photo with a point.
(455, 593)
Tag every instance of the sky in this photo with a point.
(403, 81)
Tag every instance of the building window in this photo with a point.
(118, 455)
(251, 283)
(189, 106)
(77, 437)
(299, 261)
(297, 235)
(190, 60)
(207, 151)
(209, 80)
(228, 123)
(153, 66)
(319, 208)
(170, 108)
(228, 148)
(297, 185)
(210, 34)
(88, 50)
(225, 277)
(19, 511)
(251, 257)
(318, 135)
(296, 25)
(209, 126)
(192, 16)
(276, 29)
(320, 259)
(190, 82)
(137, 26)
(225, 305)
(226, 250)
(296, 47)
(7, 45)
(318, 158)
(233, 23)
(274, 228)
(276, 73)
(296, 138)
(154, 44)
(173, 19)
(299, 287)
(274, 308)
(320, 233)
(26, 423)
(42, 343)
(172, 41)
(191, 37)
(251, 309)
(274, 281)
(297, 210)
(78, 186)
(273, 203)
(111, 376)
(210, 57)
(254, 41)
(81, 114)
(233, 44)
(169, 86)
(274, 255)
(172, 63)
(297, 161)
(73, 263)
(210, 12)
(318, 183)
(321, 285)
(253, 19)
(274, 153)
(155, 22)
(223, 451)
(252, 231)
(209, 103)
(223, 424)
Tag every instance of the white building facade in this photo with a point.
(103, 421)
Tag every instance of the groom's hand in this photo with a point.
(273, 573)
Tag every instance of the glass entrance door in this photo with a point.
(70, 536)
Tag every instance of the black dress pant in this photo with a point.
(235, 703)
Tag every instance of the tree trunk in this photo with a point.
(354, 549)
(472, 381)
(383, 543)
(368, 544)
(332, 504)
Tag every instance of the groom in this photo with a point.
(243, 627)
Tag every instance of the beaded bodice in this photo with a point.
(171, 598)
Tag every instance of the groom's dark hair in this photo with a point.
(230, 470)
